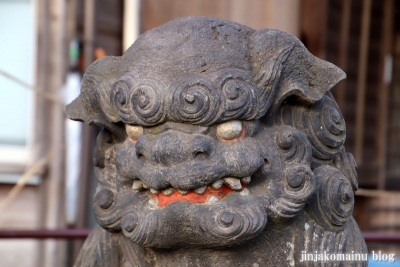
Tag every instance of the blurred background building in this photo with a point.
(46, 173)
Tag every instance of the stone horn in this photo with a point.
(93, 105)
(283, 67)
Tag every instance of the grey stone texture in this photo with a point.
(221, 146)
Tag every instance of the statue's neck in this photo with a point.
(256, 252)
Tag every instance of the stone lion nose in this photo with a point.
(174, 147)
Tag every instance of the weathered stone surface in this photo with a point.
(222, 146)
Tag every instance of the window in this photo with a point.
(17, 57)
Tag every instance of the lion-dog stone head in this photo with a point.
(219, 138)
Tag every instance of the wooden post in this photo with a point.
(131, 23)
(257, 14)
(362, 81)
(42, 114)
(87, 131)
(313, 26)
(383, 92)
(283, 15)
(88, 32)
(50, 124)
(343, 49)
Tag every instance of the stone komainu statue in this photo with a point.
(221, 146)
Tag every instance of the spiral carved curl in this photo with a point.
(196, 99)
(195, 102)
(239, 95)
(136, 227)
(107, 212)
(137, 100)
(299, 182)
(333, 203)
(233, 223)
(298, 185)
(323, 124)
(294, 145)
(325, 128)
(347, 164)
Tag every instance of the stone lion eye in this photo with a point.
(133, 131)
(230, 130)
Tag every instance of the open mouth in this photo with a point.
(208, 194)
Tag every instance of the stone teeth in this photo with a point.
(245, 192)
(200, 190)
(153, 203)
(183, 192)
(246, 180)
(233, 183)
(168, 191)
(137, 185)
(145, 186)
(212, 199)
(217, 184)
(154, 191)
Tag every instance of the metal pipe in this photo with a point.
(44, 234)
(84, 232)
(374, 237)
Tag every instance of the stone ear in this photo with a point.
(92, 106)
(283, 67)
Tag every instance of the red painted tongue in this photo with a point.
(164, 200)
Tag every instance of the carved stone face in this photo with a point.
(213, 133)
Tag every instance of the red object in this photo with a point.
(164, 200)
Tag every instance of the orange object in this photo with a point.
(99, 53)
(164, 200)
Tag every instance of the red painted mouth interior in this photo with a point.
(164, 200)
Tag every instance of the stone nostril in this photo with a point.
(267, 166)
(201, 148)
(139, 153)
(173, 147)
(139, 148)
(199, 154)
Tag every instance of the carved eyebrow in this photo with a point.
(182, 127)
